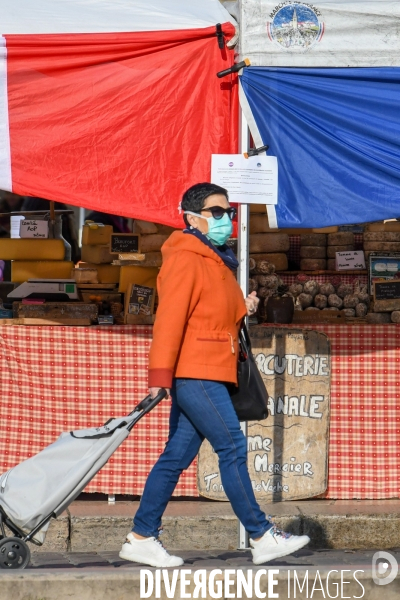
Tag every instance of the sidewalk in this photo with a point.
(94, 526)
(103, 575)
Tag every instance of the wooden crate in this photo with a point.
(56, 311)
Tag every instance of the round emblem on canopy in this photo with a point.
(295, 26)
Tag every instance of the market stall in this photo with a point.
(58, 376)
(52, 380)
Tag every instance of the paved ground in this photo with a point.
(221, 559)
(103, 575)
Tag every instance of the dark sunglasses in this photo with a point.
(218, 212)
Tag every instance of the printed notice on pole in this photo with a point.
(252, 180)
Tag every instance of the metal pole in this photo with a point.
(243, 275)
(82, 212)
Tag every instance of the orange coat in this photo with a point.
(200, 310)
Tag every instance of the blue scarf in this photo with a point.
(224, 252)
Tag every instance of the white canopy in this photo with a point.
(360, 33)
(102, 16)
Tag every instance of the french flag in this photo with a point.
(114, 105)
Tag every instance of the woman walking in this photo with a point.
(193, 355)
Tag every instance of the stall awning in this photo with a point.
(323, 92)
(336, 134)
(341, 33)
(114, 106)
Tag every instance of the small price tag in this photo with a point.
(350, 260)
(30, 228)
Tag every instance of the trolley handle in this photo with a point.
(147, 405)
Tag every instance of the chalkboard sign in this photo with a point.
(123, 243)
(283, 462)
(140, 300)
(387, 290)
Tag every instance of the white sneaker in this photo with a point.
(275, 543)
(149, 551)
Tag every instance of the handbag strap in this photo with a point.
(245, 339)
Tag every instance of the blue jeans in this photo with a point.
(201, 409)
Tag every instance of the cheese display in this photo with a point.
(106, 273)
(31, 249)
(269, 242)
(94, 234)
(22, 270)
(97, 254)
(140, 275)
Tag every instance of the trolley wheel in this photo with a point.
(14, 553)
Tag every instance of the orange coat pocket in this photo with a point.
(199, 339)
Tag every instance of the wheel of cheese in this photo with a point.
(341, 238)
(165, 229)
(331, 264)
(331, 250)
(312, 252)
(312, 264)
(395, 316)
(382, 246)
(259, 224)
(378, 226)
(268, 242)
(392, 226)
(378, 318)
(144, 227)
(296, 230)
(332, 229)
(152, 242)
(313, 239)
(279, 260)
(382, 236)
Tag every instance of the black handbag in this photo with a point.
(250, 397)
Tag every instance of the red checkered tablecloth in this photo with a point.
(364, 446)
(289, 279)
(56, 379)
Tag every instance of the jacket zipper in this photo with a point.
(214, 340)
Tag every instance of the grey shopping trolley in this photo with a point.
(42, 487)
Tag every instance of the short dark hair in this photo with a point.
(195, 197)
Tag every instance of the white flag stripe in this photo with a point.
(108, 16)
(5, 156)
(324, 33)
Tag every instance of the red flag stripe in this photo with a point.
(121, 123)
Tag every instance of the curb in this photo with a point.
(125, 585)
(334, 531)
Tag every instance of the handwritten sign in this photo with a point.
(31, 228)
(387, 290)
(123, 243)
(287, 452)
(350, 260)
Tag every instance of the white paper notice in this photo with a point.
(251, 180)
(31, 228)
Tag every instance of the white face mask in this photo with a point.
(219, 230)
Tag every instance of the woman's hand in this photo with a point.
(252, 303)
(154, 392)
